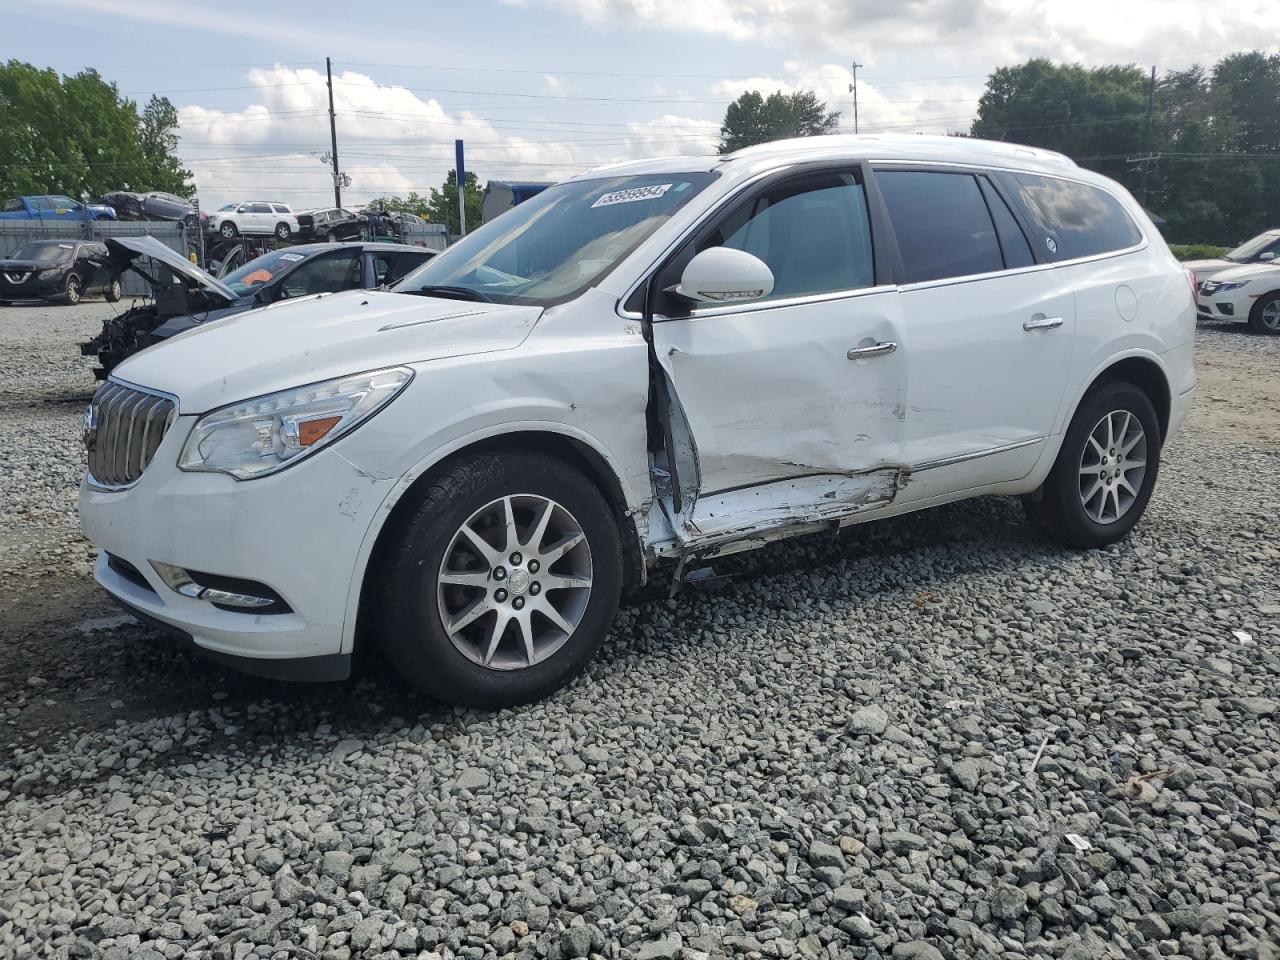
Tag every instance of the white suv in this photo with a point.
(661, 361)
(254, 217)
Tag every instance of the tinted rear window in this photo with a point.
(1075, 219)
(942, 224)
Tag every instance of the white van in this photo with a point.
(660, 361)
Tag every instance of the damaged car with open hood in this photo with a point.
(185, 297)
(658, 362)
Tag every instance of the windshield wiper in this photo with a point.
(451, 293)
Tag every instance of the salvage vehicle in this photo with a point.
(331, 225)
(255, 217)
(58, 270)
(149, 206)
(189, 297)
(1250, 293)
(1264, 249)
(52, 207)
(656, 361)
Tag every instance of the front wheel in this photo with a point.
(502, 581)
(113, 291)
(228, 230)
(282, 231)
(330, 237)
(71, 289)
(1105, 472)
(1265, 315)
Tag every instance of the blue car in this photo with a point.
(52, 207)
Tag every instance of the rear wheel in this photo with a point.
(330, 237)
(502, 582)
(1265, 315)
(228, 230)
(71, 289)
(282, 231)
(1106, 470)
(113, 291)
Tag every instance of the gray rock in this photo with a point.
(868, 719)
(825, 855)
(666, 948)
(1008, 903)
(916, 950)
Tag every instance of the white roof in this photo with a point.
(936, 149)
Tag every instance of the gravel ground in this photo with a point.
(934, 737)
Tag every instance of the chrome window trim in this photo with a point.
(757, 305)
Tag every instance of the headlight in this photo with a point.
(52, 272)
(266, 434)
(1230, 285)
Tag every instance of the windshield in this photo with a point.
(227, 206)
(564, 240)
(1251, 248)
(266, 268)
(43, 252)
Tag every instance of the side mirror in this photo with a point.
(724, 275)
(243, 208)
(1266, 257)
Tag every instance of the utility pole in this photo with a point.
(1151, 102)
(853, 88)
(333, 138)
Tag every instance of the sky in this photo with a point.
(542, 89)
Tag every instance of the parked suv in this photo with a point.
(64, 270)
(652, 362)
(257, 216)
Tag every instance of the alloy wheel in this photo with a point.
(1271, 315)
(514, 582)
(1113, 466)
(73, 290)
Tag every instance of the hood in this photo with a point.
(28, 266)
(124, 250)
(297, 342)
(1248, 271)
(1203, 269)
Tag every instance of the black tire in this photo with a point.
(1056, 508)
(72, 289)
(282, 231)
(114, 291)
(409, 624)
(228, 230)
(1270, 304)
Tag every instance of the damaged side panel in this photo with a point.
(772, 426)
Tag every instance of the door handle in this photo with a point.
(882, 349)
(1042, 323)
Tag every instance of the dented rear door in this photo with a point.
(794, 404)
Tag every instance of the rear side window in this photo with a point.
(813, 233)
(1075, 219)
(279, 208)
(1013, 242)
(942, 224)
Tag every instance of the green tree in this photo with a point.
(415, 203)
(443, 205)
(76, 134)
(753, 119)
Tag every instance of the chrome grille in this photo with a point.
(123, 428)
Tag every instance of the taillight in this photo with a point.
(1195, 285)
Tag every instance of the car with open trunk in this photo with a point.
(652, 363)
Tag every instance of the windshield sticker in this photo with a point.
(651, 192)
(292, 257)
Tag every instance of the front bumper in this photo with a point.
(298, 531)
(1218, 308)
(32, 288)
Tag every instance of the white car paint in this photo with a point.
(1233, 294)
(777, 427)
(1262, 249)
(249, 219)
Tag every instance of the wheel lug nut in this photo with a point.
(535, 588)
(518, 603)
(515, 559)
(533, 566)
(500, 595)
(499, 573)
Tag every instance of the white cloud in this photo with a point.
(993, 31)
(390, 140)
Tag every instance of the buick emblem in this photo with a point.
(89, 430)
(1052, 244)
